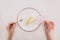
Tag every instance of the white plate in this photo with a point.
(27, 19)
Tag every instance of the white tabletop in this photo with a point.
(48, 8)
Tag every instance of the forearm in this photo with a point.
(48, 36)
(9, 37)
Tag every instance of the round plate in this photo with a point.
(27, 19)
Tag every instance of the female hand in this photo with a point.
(48, 26)
(10, 30)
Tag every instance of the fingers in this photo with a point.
(52, 24)
(11, 25)
(48, 25)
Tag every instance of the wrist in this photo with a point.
(9, 37)
(48, 35)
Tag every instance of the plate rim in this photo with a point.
(26, 9)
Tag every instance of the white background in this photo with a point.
(48, 8)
